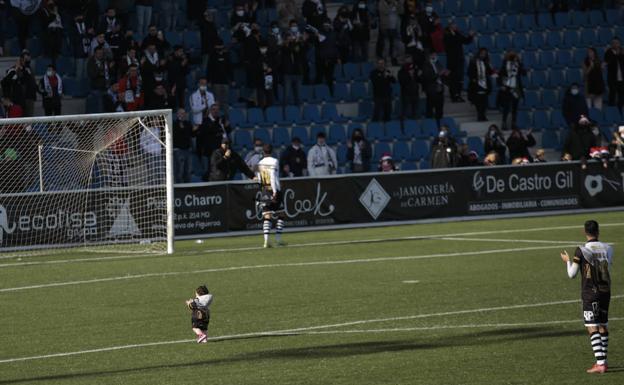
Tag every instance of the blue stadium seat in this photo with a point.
(510, 22)
(339, 75)
(341, 92)
(614, 17)
(501, 6)
(562, 19)
(604, 36)
(262, 134)
(536, 40)
(483, 7)
(365, 69)
(307, 93)
(192, 40)
(430, 127)
(330, 113)
(612, 115)
(78, 88)
(359, 91)
(478, 23)
(545, 20)
(394, 131)
(401, 151)
(564, 58)
(451, 124)
(574, 76)
(546, 59)
(550, 139)
(365, 111)
(524, 119)
(411, 128)
(174, 38)
(375, 131)
(255, 116)
(292, 114)
(570, 38)
(236, 116)
(475, 143)
(520, 41)
(527, 23)
(556, 78)
(311, 113)
(494, 23)
(537, 79)
(550, 99)
(65, 66)
(421, 149)
(578, 56)
(597, 116)
(321, 93)
(281, 136)
(302, 133)
(485, 41)
(274, 115)
(409, 166)
(531, 99)
(341, 154)
(553, 39)
(242, 139)
(41, 64)
(451, 7)
(502, 42)
(315, 130)
(351, 71)
(557, 120)
(578, 18)
(380, 149)
(34, 44)
(424, 164)
(588, 37)
(540, 120)
(336, 134)
(462, 23)
(530, 60)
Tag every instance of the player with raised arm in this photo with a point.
(593, 260)
(271, 200)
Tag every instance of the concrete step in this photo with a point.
(69, 106)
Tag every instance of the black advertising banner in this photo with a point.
(200, 210)
(603, 187)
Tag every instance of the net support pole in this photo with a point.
(40, 151)
(169, 180)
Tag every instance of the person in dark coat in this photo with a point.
(80, 34)
(495, 141)
(511, 87)
(382, 79)
(614, 58)
(433, 78)
(208, 35)
(177, 69)
(183, 133)
(212, 131)
(573, 105)
(51, 89)
(314, 12)
(225, 162)
(293, 160)
(293, 63)
(220, 73)
(579, 140)
(443, 152)
(359, 152)
(343, 28)
(361, 21)
(518, 144)
(409, 80)
(411, 38)
(327, 55)
(480, 73)
(454, 41)
(594, 81)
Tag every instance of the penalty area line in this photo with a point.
(318, 329)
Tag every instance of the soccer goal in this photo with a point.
(103, 182)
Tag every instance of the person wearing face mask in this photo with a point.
(326, 56)
(211, 133)
(209, 36)
(580, 139)
(593, 79)
(266, 77)
(177, 69)
(225, 162)
(131, 90)
(480, 72)
(254, 156)
(361, 21)
(511, 89)
(293, 160)
(314, 12)
(495, 141)
(614, 59)
(454, 41)
(344, 28)
(201, 101)
(293, 65)
(359, 152)
(426, 19)
(573, 105)
(409, 79)
(433, 77)
(240, 22)
(518, 144)
(381, 79)
(51, 89)
(274, 39)
(388, 27)
(220, 72)
(321, 158)
(144, 15)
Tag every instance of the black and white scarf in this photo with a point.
(48, 87)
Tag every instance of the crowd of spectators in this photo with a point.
(122, 52)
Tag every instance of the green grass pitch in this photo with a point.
(480, 302)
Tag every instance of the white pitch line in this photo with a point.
(508, 240)
(276, 265)
(302, 330)
(310, 244)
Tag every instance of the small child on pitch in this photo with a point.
(200, 310)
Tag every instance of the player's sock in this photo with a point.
(279, 227)
(605, 343)
(596, 343)
(266, 228)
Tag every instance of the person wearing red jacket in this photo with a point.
(11, 110)
(131, 89)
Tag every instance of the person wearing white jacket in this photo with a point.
(321, 158)
(201, 100)
(200, 309)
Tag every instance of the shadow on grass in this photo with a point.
(488, 337)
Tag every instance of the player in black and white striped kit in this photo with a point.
(271, 199)
(593, 260)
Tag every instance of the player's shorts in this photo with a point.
(269, 204)
(596, 309)
(200, 319)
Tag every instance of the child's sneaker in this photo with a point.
(202, 339)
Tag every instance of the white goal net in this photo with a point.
(102, 182)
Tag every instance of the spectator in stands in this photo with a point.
(361, 21)
(19, 83)
(344, 29)
(108, 21)
(388, 27)
(225, 162)
(208, 35)
(359, 152)
(157, 38)
(116, 41)
(437, 36)
(201, 101)
(287, 11)
(381, 79)
(491, 159)
(411, 37)
(220, 72)
(150, 142)
(266, 77)
(574, 105)
(444, 152)
(112, 102)
(518, 144)
(99, 41)
(293, 65)
(255, 155)
(314, 12)
(144, 15)
(183, 133)
(23, 12)
(212, 131)
(614, 58)
(386, 163)
(275, 40)
(253, 66)
(195, 10)
(454, 41)
(468, 158)
(160, 99)
(321, 158)
(327, 55)
(80, 34)
(480, 72)
(123, 10)
(495, 141)
(427, 18)
(409, 80)
(540, 156)
(131, 90)
(616, 147)
(130, 58)
(433, 78)
(51, 89)
(511, 88)
(169, 11)
(293, 160)
(177, 69)
(241, 22)
(579, 140)
(53, 30)
(11, 110)
(594, 81)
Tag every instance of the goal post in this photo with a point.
(101, 182)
